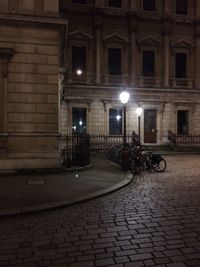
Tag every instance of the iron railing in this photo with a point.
(181, 82)
(102, 142)
(76, 152)
(76, 149)
(177, 139)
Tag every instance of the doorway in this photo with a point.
(150, 127)
(182, 122)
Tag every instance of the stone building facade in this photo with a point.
(30, 41)
(157, 47)
(64, 63)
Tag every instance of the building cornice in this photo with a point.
(23, 19)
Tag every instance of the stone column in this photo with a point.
(61, 94)
(173, 117)
(133, 5)
(198, 9)
(166, 37)
(5, 55)
(97, 46)
(168, 7)
(197, 58)
(132, 49)
(13, 4)
(39, 5)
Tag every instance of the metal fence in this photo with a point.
(101, 142)
(77, 148)
(187, 140)
(76, 152)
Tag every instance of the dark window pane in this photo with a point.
(114, 61)
(181, 7)
(181, 65)
(78, 120)
(182, 122)
(149, 63)
(115, 121)
(115, 3)
(149, 5)
(79, 1)
(78, 58)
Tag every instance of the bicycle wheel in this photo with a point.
(160, 166)
(135, 167)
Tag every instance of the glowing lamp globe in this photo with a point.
(139, 111)
(124, 97)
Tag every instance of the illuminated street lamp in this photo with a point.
(139, 112)
(79, 72)
(124, 98)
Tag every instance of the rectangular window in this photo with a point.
(182, 122)
(78, 59)
(149, 5)
(114, 61)
(79, 1)
(182, 7)
(78, 120)
(148, 64)
(181, 65)
(115, 121)
(115, 3)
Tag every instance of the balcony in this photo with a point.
(149, 81)
(84, 78)
(182, 83)
(114, 79)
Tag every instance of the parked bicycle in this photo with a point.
(138, 159)
(142, 160)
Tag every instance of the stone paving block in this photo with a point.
(82, 264)
(149, 263)
(126, 252)
(142, 256)
(105, 255)
(85, 258)
(177, 264)
(104, 262)
(122, 259)
(105, 240)
(136, 264)
(162, 261)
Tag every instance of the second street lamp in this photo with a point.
(139, 112)
(124, 98)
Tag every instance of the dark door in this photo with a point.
(182, 122)
(150, 131)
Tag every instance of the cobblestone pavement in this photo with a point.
(155, 221)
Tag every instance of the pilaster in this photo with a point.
(166, 41)
(5, 56)
(97, 42)
(132, 48)
(133, 4)
(168, 5)
(197, 58)
(198, 9)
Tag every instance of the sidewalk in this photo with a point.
(21, 193)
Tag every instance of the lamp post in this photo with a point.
(124, 97)
(139, 112)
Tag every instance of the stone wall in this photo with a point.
(29, 85)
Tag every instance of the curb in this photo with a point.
(66, 203)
